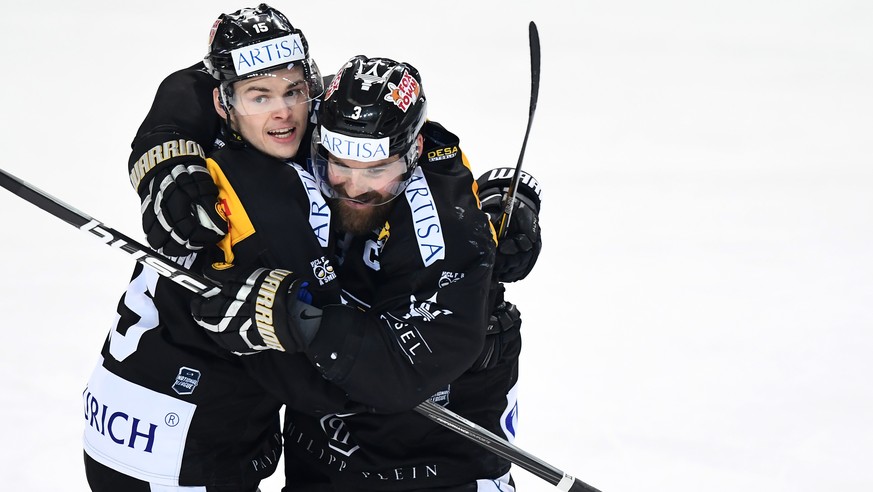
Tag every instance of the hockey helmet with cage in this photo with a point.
(373, 110)
(253, 42)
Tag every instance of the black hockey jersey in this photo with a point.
(409, 346)
(165, 404)
(422, 284)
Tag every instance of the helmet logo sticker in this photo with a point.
(268, 54)
(371, 76)
(212, 31)
(333, 84)
(404, 94)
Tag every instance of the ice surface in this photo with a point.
(700, 319)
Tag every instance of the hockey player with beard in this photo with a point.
(414, 262)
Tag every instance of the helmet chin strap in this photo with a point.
(233, 137)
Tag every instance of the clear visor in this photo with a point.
(367, 183)
(277, 90)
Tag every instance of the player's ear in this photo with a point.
(217, 102)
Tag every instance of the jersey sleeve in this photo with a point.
(407, 348)
(181, 123)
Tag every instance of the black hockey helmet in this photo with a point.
(373, 109)
(252, 42)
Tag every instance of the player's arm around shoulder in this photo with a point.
(166, 165)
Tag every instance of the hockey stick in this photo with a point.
(199, 284)
(503, 448)
(148, 257)
(509, 198)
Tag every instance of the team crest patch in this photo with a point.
(186, 381)
(426, 310)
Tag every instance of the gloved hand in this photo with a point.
(504, 326)
(179, 208)
(519, 248)
(256, 311)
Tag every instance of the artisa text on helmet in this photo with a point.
(268, 54)
(355, 148)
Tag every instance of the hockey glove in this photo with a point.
(503, 328)
(179, 212)
(519, 248)
(257, 311)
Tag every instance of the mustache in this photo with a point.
(367, 197)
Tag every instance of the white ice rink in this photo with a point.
(701, 317)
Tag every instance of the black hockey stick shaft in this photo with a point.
(148, 257)
(503, 448)
(202, 285)
(509, 198)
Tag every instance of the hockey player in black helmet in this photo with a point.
(165, 408)
(262, 63)
(166, 167)
(415, 265)
(364, 151)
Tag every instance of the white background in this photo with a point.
(700, 318)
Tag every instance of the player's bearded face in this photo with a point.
(363, 192)
(359, 220)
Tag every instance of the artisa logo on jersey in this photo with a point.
(268, 54)
(425, 219)
(319, 211)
